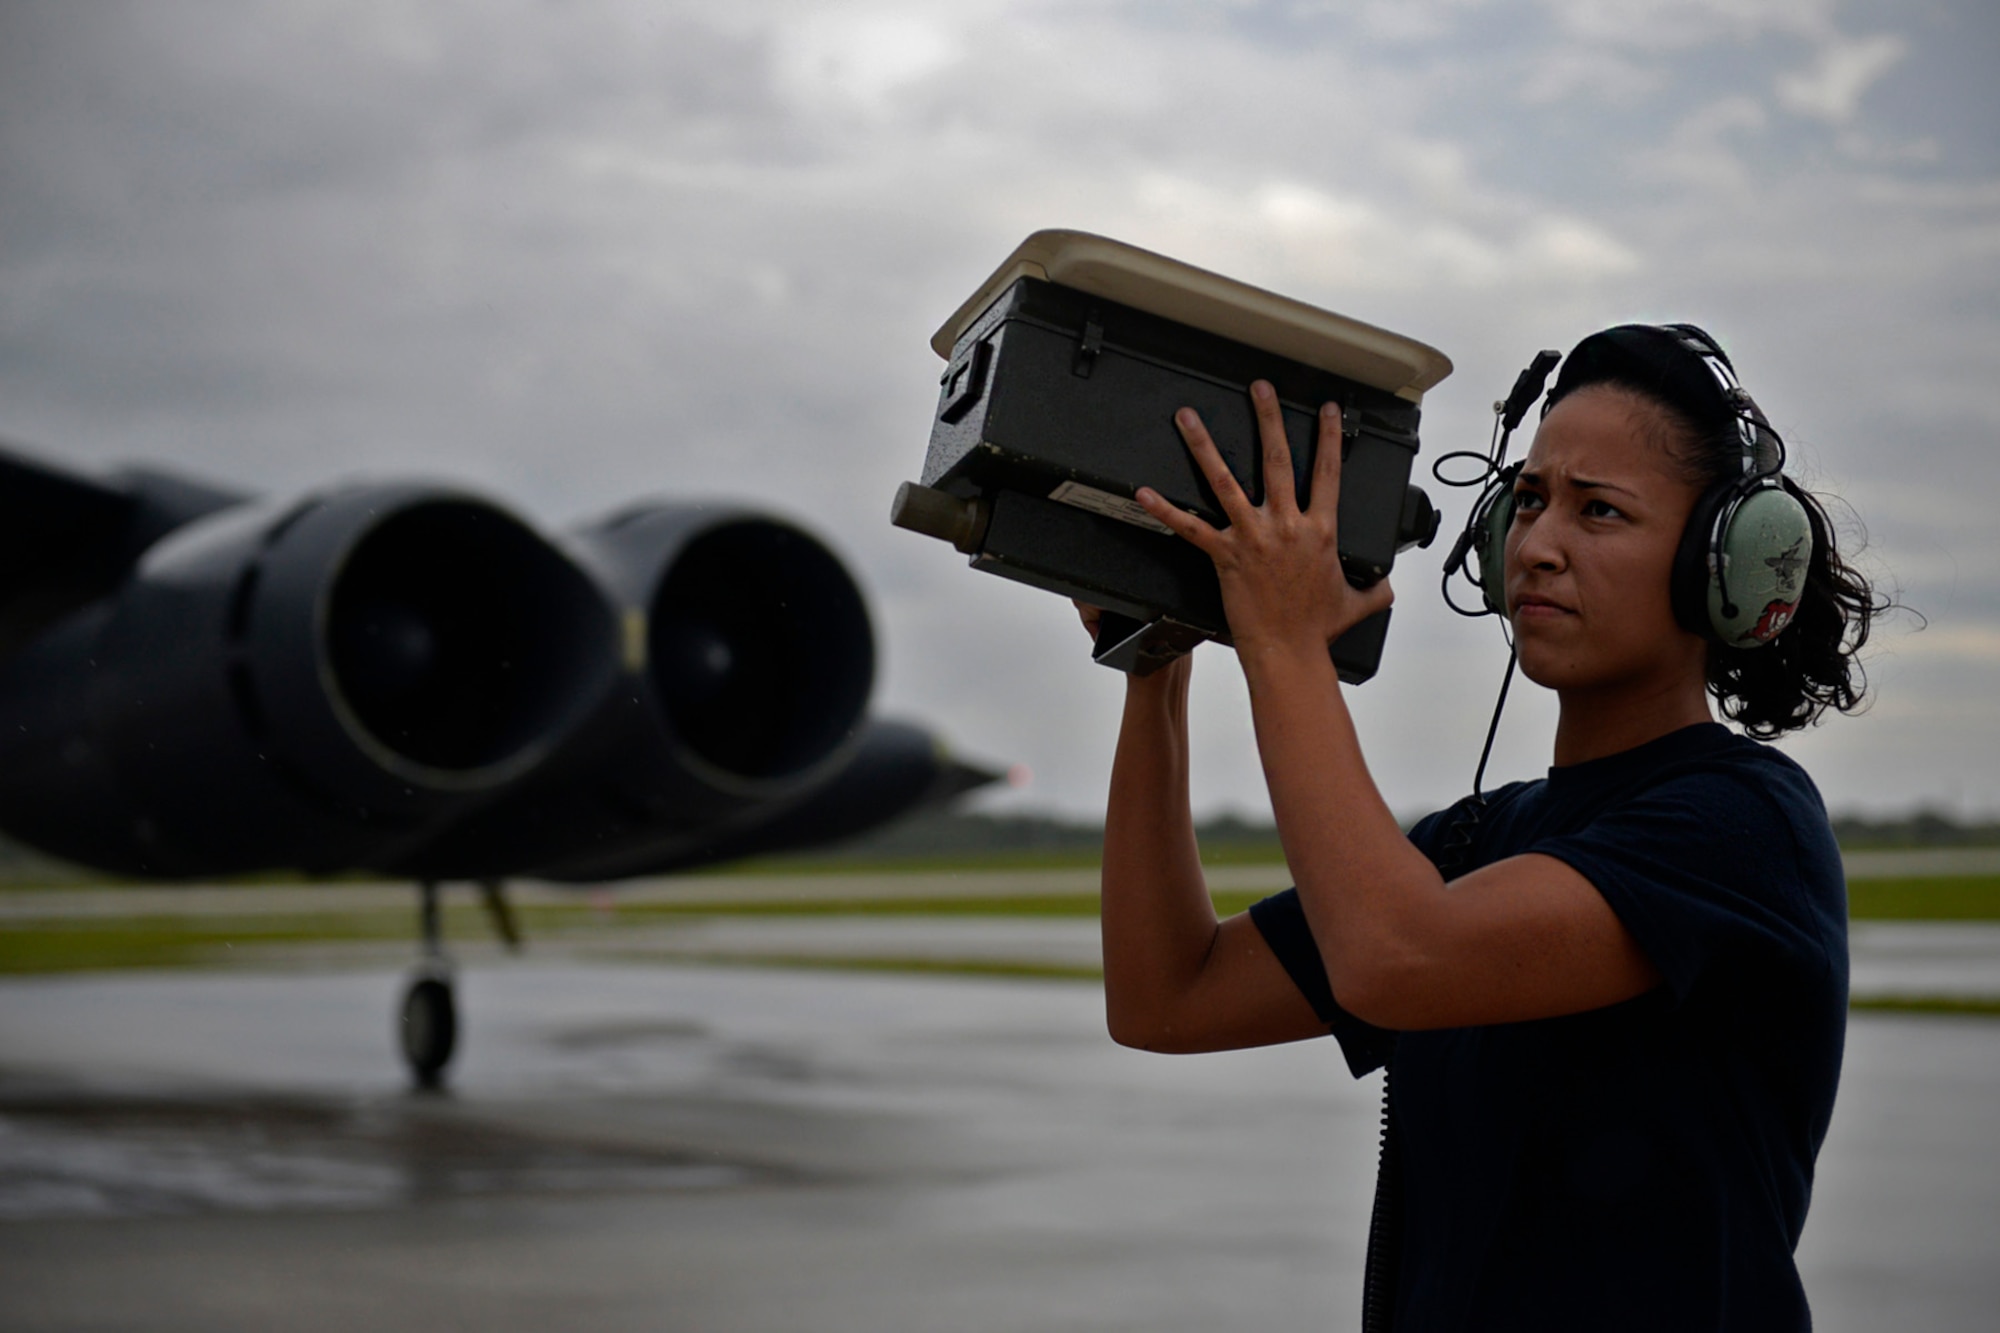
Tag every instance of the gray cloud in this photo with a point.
(579, 253)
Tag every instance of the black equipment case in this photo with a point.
(1065, 370)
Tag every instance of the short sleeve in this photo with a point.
(1708, 874)
(1281, 920)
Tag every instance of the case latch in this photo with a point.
(1088, 347)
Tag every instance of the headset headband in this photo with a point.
(1763, 448)
(1683, 366)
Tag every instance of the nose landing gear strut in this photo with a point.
(427, 1025)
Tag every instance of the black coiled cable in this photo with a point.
(1385, 1227)
(1382, 1272)
(1381, 1276)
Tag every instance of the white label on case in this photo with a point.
(1080, 496)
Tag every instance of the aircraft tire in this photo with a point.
(429, 1029)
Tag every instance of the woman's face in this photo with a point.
(1598, 512)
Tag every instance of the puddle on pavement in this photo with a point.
(99, 1156)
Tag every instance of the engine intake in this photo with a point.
(748, 662)
(759, 649)
(450, 633)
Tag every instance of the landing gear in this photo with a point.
(429, 1029)
(427, 1024)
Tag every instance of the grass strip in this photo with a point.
(967, 967)
(100, 943)
(1227, 903)
(45, 948)
(1982, 1005)
(1940, 898)
(1246, 852)
(164, 940)
(1954, 898)
(126, 942)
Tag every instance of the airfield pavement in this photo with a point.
(652, 1137)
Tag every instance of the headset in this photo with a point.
(1740, 568)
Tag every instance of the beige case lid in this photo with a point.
(1173, 290)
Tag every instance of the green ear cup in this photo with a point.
(1766, 548)
(1495, 516)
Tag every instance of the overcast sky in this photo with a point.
(575, 253)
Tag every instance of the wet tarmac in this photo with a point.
(677, 1146)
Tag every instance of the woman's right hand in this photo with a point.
(1172, 678)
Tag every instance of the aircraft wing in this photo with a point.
(67, 539)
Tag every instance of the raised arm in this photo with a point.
(1175, 978)
(1528, 937)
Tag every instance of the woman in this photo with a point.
(1614, 1018)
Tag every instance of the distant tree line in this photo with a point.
(953, 834)
(1926, 828)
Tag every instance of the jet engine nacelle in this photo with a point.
(315, 685)
(746, 665)
(757, 655)
(407, 679)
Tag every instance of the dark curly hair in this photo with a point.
(1790, 682)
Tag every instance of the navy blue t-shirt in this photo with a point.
(1646, 1165)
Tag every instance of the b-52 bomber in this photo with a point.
(406, 679)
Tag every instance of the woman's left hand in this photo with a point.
(1279, 565)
